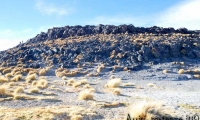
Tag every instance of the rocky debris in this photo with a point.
(123, 45)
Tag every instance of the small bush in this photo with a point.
(2, 91)
(148, 110)
(16, 78)
(34, 90)
(8, 75)
(85, 95)
(181, 71)
(113, 83)
(3, 79)
(19, 90)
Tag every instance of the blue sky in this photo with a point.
(24, 19)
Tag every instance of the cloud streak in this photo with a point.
(50, 9)
(184, 14)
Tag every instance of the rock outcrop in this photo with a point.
(123, 45)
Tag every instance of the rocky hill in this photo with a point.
(123, 45)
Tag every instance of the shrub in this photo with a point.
(2, 91)
(181, 71)
(116, 91)
(16, 78)
(19, 90)
(86, 95)
(34, 90)
(42, 83)
(148, 110)
(8, 75)
(42, 72)
(113, 83)
(30, 78)
(3, 79)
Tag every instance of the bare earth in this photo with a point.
(179, 91)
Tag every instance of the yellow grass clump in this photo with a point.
(151, 85)
(196, 70)
(76, 117)
(34, 83)
(83, 81)
(7, 70)
(86, 86)
(196, 76)
(181, 71)
(42, 72)
(30, 78)
(76, 84)
(2, 91)
(113, 83)
(42, 83)
(149, 110)
(3, 79)
(16, 78)
(64, 78)
(8, 75)
(19, 90)
(100, 68)
(70, 82)
(165, 71)
(116, 91)
(34, 90)
(85, 95)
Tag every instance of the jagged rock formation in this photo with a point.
(123, 45)
(67, 31)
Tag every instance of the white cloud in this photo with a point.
(49, 9)
(10, 38)
(184, 14)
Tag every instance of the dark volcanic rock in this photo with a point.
(124, 45)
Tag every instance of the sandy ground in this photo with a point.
(179, 91)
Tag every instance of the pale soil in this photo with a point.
(179, 91)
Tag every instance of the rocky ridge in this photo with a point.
(123, 45)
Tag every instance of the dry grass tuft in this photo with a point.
(149, 110)
(85, 95)
(64, 78)
(197, 76)
(2, 91)
(76, 84)
(196, 70)
(151, 85)
(70, 82)
(3, 79)
(42, 72)
(113, 83)
(34, 83)
(84, 81)
(76, 117)
(181, 71)
(116, 91)
(165, 71)
(7, 70)
(42, 83)
(113, 104)
(86, 86)
(19, 90)
(8, 75)
(16, 78)
(30, 78)
(34, 90)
